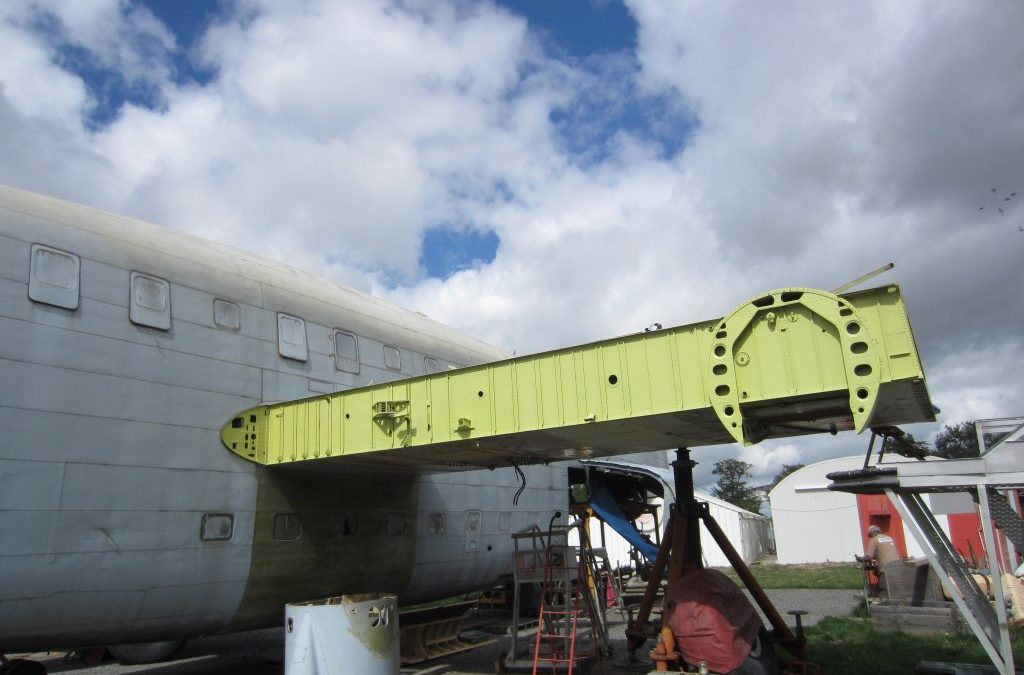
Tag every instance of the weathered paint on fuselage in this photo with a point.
(116, 490)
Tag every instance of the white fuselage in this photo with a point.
(123, 349)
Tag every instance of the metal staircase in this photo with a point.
(1005, 518)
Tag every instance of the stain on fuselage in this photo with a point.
(318, 535)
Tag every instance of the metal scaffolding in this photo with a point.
(1000, 469)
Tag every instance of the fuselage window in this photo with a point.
(431, 365)
(150, 301)
(287, 526)
(217, 527)
(392, 358)
(474, 526)
(291, 337)
(54, 277)
(346, 352)
(435, 523)
(227, 314)
(394, 524)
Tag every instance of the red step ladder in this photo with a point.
(566, 606)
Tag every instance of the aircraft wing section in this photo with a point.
(790, 362)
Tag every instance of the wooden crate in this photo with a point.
(928, 618)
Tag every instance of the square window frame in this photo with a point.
(337, 359)
(40, 290)
(142, 315)
(291, 350)
(398, 352)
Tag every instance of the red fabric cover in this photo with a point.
(711, 619)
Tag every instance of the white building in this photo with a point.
(814, 524)
(747, 532)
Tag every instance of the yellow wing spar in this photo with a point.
(790, 362)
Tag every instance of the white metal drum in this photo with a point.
(346, 635)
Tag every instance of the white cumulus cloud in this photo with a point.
(808, 144)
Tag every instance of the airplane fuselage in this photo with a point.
(123, 349)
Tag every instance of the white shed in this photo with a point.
(747, 532)
(814, 524)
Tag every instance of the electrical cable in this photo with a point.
(522, 486)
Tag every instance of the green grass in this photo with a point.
(825, 575)
(852, 646)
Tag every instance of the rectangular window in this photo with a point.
(431, 365)
(291, 337)
(217, 527)
(346, 352)
(435, 523)
(150, 301)
(227, 314)
(474, 526)
(392, 358)
(54, 277)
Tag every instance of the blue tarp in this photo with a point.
(608, 511)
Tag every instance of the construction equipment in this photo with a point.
(562, 575)
(682, 540)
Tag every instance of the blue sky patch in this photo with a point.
(188, 21)
(446, 251)
(609, 102)
(578, 29)
(107, 84)
(108, 88)
(598, 38)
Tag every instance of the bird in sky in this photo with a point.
(1006, 200)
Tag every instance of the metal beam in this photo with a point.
(790, 362)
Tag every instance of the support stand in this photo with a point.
(682, 546)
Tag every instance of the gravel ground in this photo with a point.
(262, 652)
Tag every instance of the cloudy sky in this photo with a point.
(542, 174)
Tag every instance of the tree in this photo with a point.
(783, 472)
(732, 484)
(956, 441)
